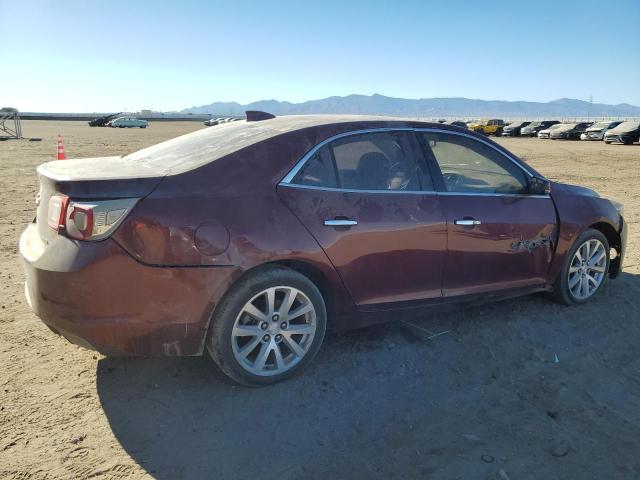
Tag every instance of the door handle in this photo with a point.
(340, 222)
(467, 222)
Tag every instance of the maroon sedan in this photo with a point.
(253, 237)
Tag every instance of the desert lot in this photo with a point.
(524, 389)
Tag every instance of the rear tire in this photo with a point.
(578, 271)
(251, 335)
(498, 132)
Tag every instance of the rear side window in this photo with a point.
(470, 166)
(318, 171)
(370, 161)
(380, 161)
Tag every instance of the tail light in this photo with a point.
(57, 212)
(85, 220)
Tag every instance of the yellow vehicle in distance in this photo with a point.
(492, 126)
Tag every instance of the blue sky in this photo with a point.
(116, 55)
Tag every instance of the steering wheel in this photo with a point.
(452, 181)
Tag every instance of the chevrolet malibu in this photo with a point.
(250, 239)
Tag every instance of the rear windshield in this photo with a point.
(201, 147)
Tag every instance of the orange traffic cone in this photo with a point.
(61, 153)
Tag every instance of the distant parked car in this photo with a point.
(457, 123)
(533, 128)
(569, 131)
(598, 129)
(491, 126)
(213, 121)
(514, 129)
(626, 132)
(128, 122)
(103, 121)
(546, 133)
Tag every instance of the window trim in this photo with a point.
(288, 178)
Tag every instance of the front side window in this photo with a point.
(471, 166)
(370, 161)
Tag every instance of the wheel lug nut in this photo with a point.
(266, 338)
(264, 325)
(278, 337)
(283, 325)
(275, 317)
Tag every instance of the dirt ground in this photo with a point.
(524, 389)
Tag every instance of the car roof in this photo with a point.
(198, 148)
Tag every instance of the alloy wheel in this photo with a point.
(587, 269)
(274, 331)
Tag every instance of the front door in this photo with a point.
(499, 236)
(369, 202)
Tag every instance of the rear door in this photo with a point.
(499, 236)
(369, 201)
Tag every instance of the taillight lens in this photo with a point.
(96, 220)
(57, 212)
(86, 220)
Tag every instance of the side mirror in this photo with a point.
(539, 186)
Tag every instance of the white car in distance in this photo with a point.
(128, 122)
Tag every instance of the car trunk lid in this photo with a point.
(91, 179)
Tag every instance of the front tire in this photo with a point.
(268, 327)
(585, 269)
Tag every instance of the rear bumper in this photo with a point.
(97, 296)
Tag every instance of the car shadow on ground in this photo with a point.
(394, 401)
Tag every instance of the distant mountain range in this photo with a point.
(425, 107)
